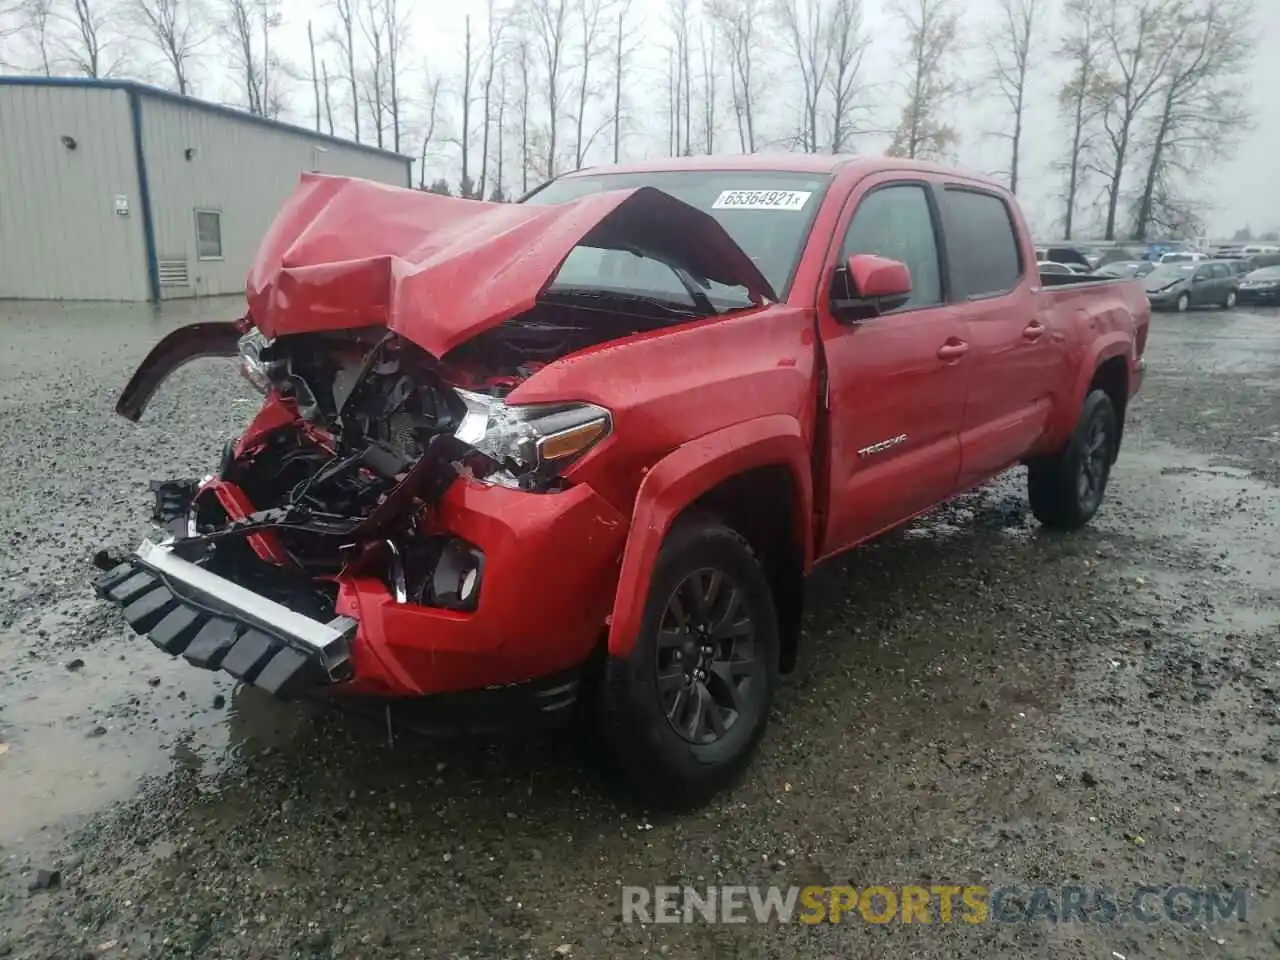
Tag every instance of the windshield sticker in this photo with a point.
(792, 200)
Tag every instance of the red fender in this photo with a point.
(1115, 344)
(682, 477)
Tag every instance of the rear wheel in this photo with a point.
(1184, 302)
(1230, 302)
(1067, 490)
(684, 711)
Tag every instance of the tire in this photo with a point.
(1230, 302)
(1184, 302)
(674, 769)
(1061, 496)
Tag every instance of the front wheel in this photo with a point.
(1230, 302)
(684, 711)
(1184, 302)
(1067, 490)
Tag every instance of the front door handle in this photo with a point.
(953, 351)
(1034, 330)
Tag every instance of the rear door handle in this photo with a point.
(1034, 330)
(953, 351)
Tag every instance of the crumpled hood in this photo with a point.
(439, 270)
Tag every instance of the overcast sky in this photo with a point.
(1242, 190)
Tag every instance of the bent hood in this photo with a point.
(439, 270)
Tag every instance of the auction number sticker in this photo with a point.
(762, 200)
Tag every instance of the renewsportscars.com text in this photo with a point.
(969, 904)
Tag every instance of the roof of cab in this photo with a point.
(781, 162)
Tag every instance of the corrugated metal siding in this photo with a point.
(242, 170)
(60, 237)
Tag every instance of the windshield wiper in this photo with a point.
(604, 293)
(687, 280)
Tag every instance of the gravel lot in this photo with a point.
(978, 702)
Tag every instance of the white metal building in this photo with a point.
(112, 190)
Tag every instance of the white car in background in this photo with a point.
(1184, 256)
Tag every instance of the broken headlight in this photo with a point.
(530, 444)
(252, 367)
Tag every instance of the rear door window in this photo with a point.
(986, 258)
(1221, 271)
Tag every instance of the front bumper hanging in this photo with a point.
(217, 624)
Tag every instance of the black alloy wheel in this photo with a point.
(705, 658)
(1095, 463)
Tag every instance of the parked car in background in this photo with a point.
(1181, 286)
(1260, 286)
(1239, 265)
(1183, 256)
(1126, 269)
(1048, 266)
(1249, 249)
(1062, 254)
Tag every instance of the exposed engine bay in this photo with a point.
(363, 431)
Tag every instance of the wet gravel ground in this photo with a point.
(977, 702)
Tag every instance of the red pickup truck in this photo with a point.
(592, 442)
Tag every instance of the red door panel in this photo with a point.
(1017, 347)
(896, 382)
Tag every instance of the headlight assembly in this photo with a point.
(252, 367)
(530, 444)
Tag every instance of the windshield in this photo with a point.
(1169, 273)
(767, 213)
(1265, 273)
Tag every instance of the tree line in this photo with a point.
(1150, 91)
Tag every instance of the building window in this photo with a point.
(208, 235)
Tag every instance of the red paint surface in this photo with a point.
(438, 270)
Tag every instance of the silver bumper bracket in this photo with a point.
(217, 624)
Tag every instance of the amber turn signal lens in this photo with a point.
(566, 443)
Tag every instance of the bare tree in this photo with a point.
(269, 18)
(465, 187)
(1137, 40)
(397, 25)
(315, 77)
(497, 194)
(1078, 100)
(88, 42)
(590, 17)
(1010, 51)
(429, 127)
(933, 27)
(622, 51)
(849, 41)
(242, 33)
(249, 23)
(707, 49)
(522, 62)
(680, 75)
(805, 29)
(373, 26)
(344, 36)
(33, 19)
(495, 28)
(171, 26)
(739, 24)
(328, 106)
(1201, 106)
(550, 27)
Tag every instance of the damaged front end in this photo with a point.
(385, 523)
(335, 484)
